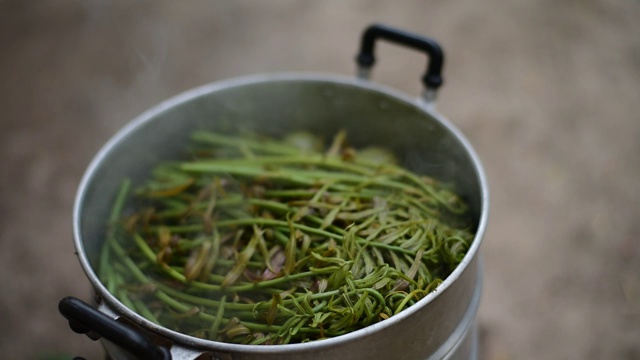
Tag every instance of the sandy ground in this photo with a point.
(547, 91)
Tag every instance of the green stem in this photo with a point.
(114, 217)
(318, 160)
(177, 305)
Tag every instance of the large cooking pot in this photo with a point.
(439, 326)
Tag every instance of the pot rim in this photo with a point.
(118, 308)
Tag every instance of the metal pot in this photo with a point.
(439, 326)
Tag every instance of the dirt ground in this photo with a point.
(547, 91)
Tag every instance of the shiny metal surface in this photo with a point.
(438, 326)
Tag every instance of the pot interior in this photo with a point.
(371, 115)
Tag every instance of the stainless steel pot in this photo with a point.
(440, 326)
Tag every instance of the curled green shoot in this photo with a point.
(259, 242)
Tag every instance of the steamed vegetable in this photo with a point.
(265, 241)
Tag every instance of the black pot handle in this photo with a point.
(432, 79)
(84, 319)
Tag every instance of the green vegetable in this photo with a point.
(261, 241)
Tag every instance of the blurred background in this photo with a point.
(547, 91)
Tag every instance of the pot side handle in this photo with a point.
(84, 319)
(432, 79)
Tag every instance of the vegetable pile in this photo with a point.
(274, 241)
